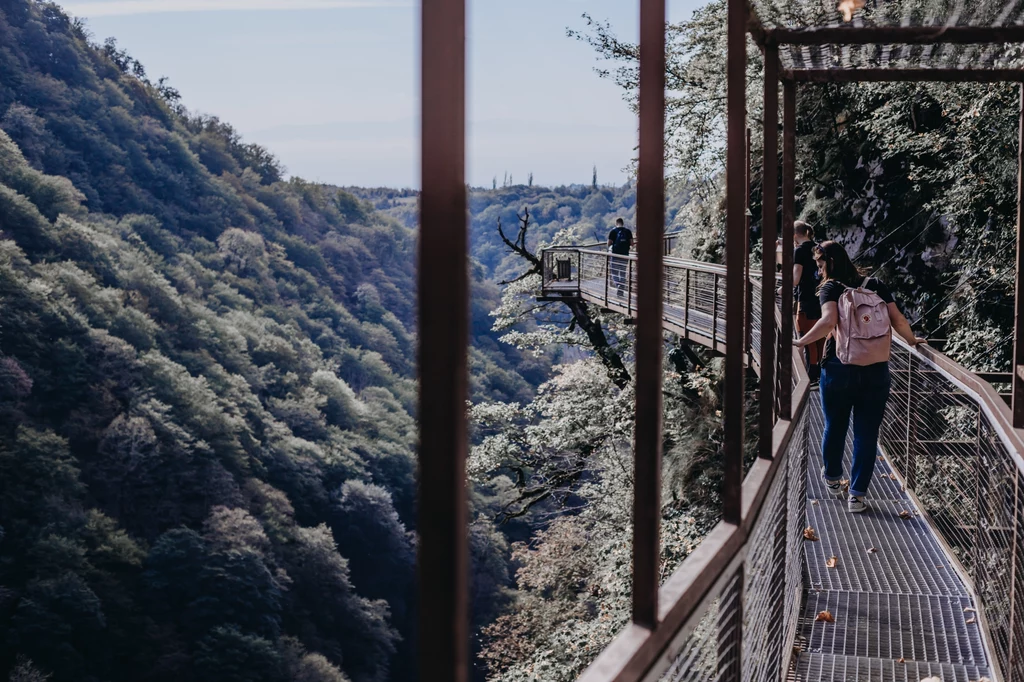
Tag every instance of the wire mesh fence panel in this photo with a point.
(772, 572)
(950, 455)
(697, 658)
(594, 276)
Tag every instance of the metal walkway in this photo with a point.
(926, 584)
(901, 610)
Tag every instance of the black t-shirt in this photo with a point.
(805, 292)
(621, 239)
(831, 291)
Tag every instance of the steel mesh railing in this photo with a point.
(952, 449)
(771, 578)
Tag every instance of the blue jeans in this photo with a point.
(863, 391)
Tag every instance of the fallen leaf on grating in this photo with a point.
(902, 660)
(797, 649)
(814, 502)
(825, 617)
(832, 561)
(809, 534)
(970, 620)
(881, 459)
(848, 7)
(872, 550)
(904, 514)
(970, 609)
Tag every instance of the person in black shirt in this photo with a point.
(620, 240)
(805, 292)
(862, 390)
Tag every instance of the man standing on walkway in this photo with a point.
(620, 240)
(805, 292)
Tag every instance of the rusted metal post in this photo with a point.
(788, 215)
(769, 230)
(650, 206)
(443, 329)
(748, 290)
(1018, 310)
(735, 238)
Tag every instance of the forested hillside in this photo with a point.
(573, 214)
(206, 392)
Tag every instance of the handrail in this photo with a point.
(710, 574)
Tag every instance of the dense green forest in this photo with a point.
(571, 214)
(207, 466)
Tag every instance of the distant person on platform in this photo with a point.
(620, 241)
(806, 280)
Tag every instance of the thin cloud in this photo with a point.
(106, 8)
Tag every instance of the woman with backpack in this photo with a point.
(858, 315)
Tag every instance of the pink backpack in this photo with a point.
(864, 333)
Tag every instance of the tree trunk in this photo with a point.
(595, 333)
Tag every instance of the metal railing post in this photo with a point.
(910, 463)
(735, 239)
(443, 286)
(650, 339)
(769, 228)
(608, 263)
(629, 288)
(1018, 309)
(788, 214)
(686, 304)
(714, 312)
(981, 477)
(747, 288)
(579, 273)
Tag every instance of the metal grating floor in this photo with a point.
(828, 668)
(902, 601)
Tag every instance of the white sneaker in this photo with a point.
(835, 488)
(856, 505)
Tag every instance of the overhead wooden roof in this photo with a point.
(894, 40)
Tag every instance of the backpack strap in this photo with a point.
(864, 284)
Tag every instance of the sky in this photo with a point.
(331, 86)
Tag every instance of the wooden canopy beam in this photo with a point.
(905, 35)
(904, 75)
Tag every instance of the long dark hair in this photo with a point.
(838, 265)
